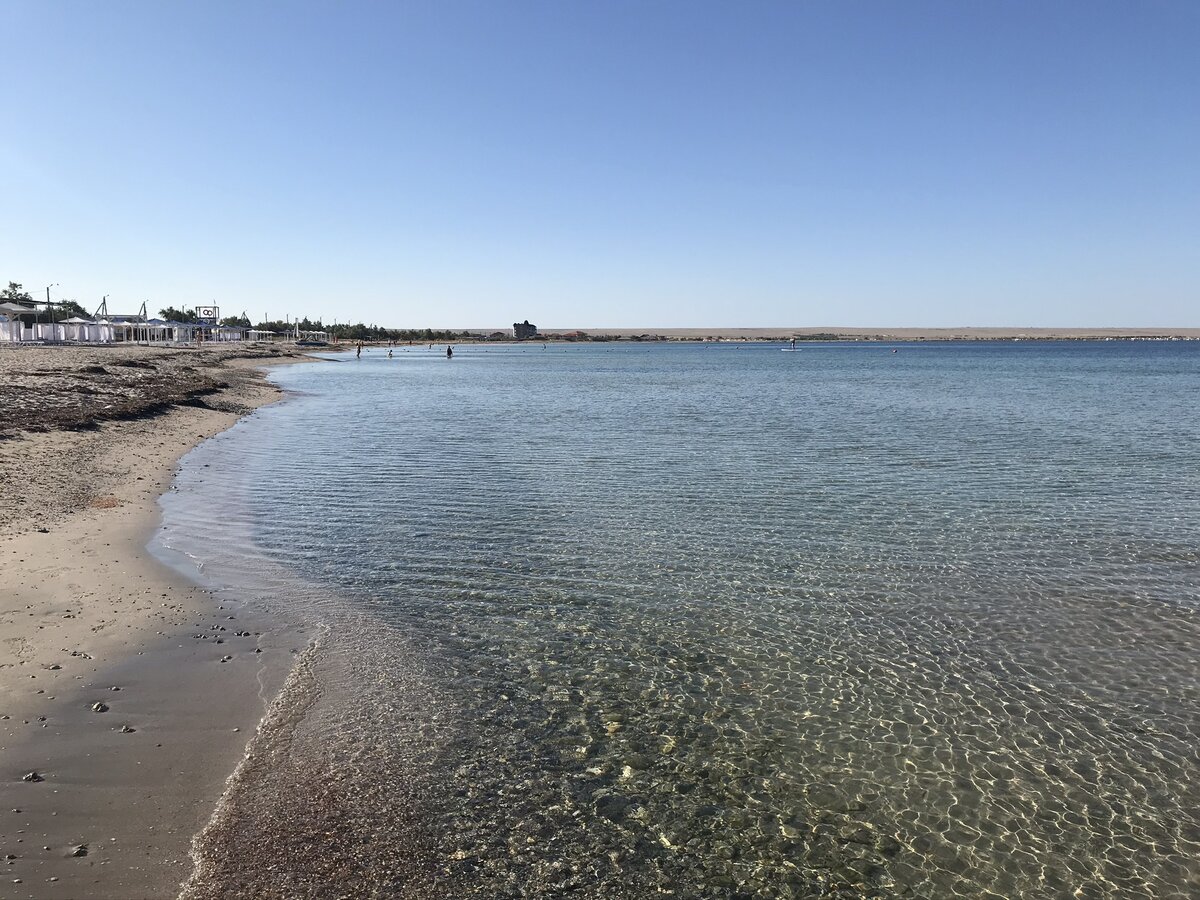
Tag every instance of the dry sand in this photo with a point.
(84, 609)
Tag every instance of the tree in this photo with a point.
(14, 294)
(242, 320)
(178, 315)
(67, 309)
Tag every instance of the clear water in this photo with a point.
(721, 621)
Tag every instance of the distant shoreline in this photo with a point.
(873, 334)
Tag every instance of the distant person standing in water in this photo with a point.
(389, 354)
(358, 355)
(793, 343)
(449, 352)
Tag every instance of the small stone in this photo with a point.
(125, 729)
(32, 776)
(99, 707)
(114, 688)
(54, 667)
(80, 850)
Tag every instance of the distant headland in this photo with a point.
(864, 334)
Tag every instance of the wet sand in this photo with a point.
(103, 800)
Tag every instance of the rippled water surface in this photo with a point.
(721, 621)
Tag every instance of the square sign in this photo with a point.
(206, 312)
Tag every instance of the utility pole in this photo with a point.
(49, 308)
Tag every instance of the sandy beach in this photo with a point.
(128, 694)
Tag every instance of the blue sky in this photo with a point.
(609, 164)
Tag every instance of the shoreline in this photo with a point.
(838, 333)
(120, 789)
(809, 334)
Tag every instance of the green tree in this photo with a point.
(242, 320)
(14, 294)
(178, 315)
(69, 309)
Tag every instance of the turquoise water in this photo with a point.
(721, 621)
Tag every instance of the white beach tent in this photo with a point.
(10, 330)
(223, 333)
(20, 331)
(86, 331)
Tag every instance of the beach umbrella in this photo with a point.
(17, 309)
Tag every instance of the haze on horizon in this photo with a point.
(609, 164)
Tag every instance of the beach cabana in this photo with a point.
(158, 331)
(227, 333)
(80, 330)
(10, 330)
(13, 330)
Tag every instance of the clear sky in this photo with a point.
(646, 163)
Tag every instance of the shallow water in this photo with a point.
(716, 621)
